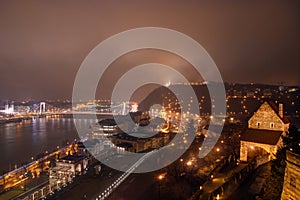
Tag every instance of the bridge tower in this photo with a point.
(124, 108)
(42, 107)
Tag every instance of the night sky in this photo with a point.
(43, 43)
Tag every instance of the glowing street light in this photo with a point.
(161, 177)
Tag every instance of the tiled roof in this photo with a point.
(261, 136)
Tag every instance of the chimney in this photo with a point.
(281, 110)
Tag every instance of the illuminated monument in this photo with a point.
(8, 110)
(42, 107)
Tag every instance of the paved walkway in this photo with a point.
(219, 178)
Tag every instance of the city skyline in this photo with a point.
(149, 99)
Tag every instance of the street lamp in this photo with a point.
(160, 178)
(189, 163)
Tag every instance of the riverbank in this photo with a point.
(14, 119)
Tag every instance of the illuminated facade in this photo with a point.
(9, 110)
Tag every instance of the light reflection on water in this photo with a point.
(20, 141)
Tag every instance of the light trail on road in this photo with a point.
(122, 178)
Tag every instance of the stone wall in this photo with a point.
(291, 185)
(266, 118)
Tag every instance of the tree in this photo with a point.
(292, 139)
(273, 186)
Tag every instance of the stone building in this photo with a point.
(291, 185)
(264, 133)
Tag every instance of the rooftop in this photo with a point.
(137, 136)
(72, 158)
(125, 145)
(261, 136)
(107, 122)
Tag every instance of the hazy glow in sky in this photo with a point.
(44, 42)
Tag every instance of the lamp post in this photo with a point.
(160, 178)
(218, 152)
(190, 167)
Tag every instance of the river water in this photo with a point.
(19, 142)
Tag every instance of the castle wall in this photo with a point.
(291, 185)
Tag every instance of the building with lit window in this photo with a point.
(264, 133)
(133, 143)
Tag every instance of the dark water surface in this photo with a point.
(21, 141)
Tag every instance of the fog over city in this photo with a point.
(43, 43)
